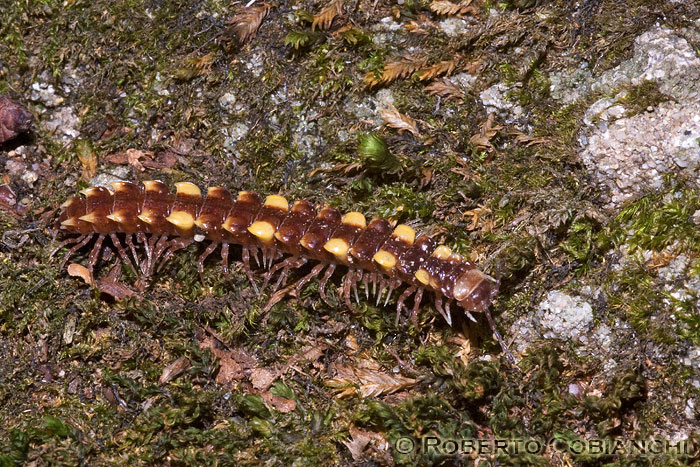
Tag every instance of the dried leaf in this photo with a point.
(417, 26)
(486, 132)
(87, 157)
(395, 70)
(280, 403)
(14, 119)
(229, 370)
(232, 363)
(174, 370)
(262, 378)
(134, 156)
(164, 160)
(325, 18)
(247, 21)
(441, 68)
(345, 168)
(195, 66)
(477, 215)
(528, 140)
(369, 382)
(375, 383)
(465, 348)
(446, 89)
(78, 270)
(445, 7)
(399, 121)
(359, 439)
(427, 176)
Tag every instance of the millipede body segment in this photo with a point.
(154, 221)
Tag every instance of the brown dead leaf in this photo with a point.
(487, 131)
(88, 159)
(399, 121)
(164, 160)
(395, 70)
(244, 26)
(280, 403)
(445, 7)
(134, 156)
(345, 168)
(427, 176)
(229, 369)
(324, 19)
(78, 270)
(418, 26)
(369, 383)
(527, 140)
(359, 439)
(478, 214)
(262, 378)
(445, 88)
(174, 369)
(195, 66)
(111, 285)
(233, 364)
(446, 68)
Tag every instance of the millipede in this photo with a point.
(379, 255)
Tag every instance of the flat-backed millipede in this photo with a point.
(379, 255)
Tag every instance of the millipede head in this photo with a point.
(475, 290)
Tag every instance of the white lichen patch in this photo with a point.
(631, 155)
(495, 99)
(45, 93)
(63, 123)
(234, 134)
(367, 109)
(453, 27)
(567, 318)
(660, 56)
(569, 86)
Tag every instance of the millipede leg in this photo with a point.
(255, 252)
(498, 337)
(224, 262)
(264, 257)
(448, 315)
(416, 306)
(286, 265)
(382, 288)
(441, 310)
(141, 238)
(122, 252)
(399, 305)
(95, 253)
(322, 286)
(200, 261)
(132, 247)
(392, 285)
(365, 284)
(171, 247)
(158, 247)
(354, 284)
(64, 243)
(246, 266)
(348, 285)
(279, 295)
(375, 279)
(304, 280)
(83, 241)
